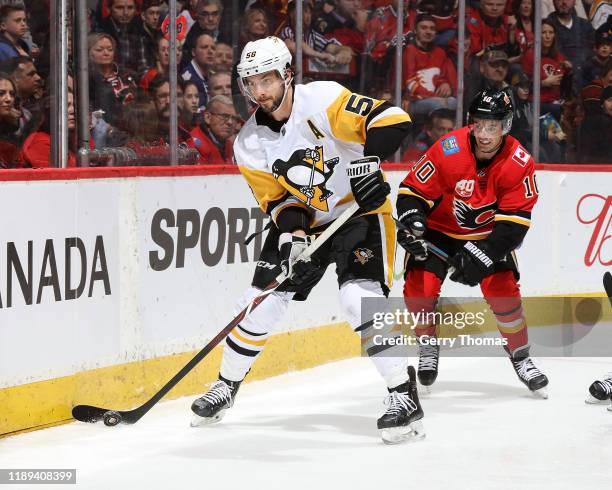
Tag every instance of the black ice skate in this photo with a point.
(402, 420)
(528, 372)
(428, 360)
(211, 407)
(600, 390)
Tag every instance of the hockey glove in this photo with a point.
(290, 247)
(410, 239)
(367, 183)
(472, 264)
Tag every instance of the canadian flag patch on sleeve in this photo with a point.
(521, 156)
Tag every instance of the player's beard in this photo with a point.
(276, 103)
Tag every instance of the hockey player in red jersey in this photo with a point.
(471, 194)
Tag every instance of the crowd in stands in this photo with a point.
(350, 41)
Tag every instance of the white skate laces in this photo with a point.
(428, 357)
(219, 392)
(526, 369)
(398, 402)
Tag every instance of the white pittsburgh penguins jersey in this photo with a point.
(305, 163)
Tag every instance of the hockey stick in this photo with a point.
(88, 413)
(607, 282)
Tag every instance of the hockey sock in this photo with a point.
(390, 360)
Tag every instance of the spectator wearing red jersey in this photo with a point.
(523, 12)
(214, 137)
(346, 23)
(36, 149)
(430, 79)
(445, 14)
(555, 71)
(489, 26)
(381, 31)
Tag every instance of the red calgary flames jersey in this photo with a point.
(466, 201)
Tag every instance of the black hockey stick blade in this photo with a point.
(91, 414)
(607, 282)
(87, 413)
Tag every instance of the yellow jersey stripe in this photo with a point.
(389, 247)
(408, 192)
(515, 219)
(474, 236)
(386, 119)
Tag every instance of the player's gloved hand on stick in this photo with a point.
(410, 238)
(367, 183)
(290, 247)
(472, 264)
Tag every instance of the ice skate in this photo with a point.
(211, 407)
(600, 390)
(402, 420)
(429, 355)
(529, 373)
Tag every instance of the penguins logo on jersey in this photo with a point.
(305, 175)
(473, 218)
(362, 255)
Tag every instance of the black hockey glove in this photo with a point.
(290, 247)
(410, 238)
(472, 264)
(367, 183)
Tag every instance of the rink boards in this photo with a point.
(110, 280)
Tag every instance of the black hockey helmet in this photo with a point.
(492, 104)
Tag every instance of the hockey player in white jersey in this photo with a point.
(294, 152)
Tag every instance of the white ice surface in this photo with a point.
(317, 429)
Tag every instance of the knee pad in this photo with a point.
(351, 293)
(267, 313)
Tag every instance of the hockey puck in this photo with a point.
(111, 418)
